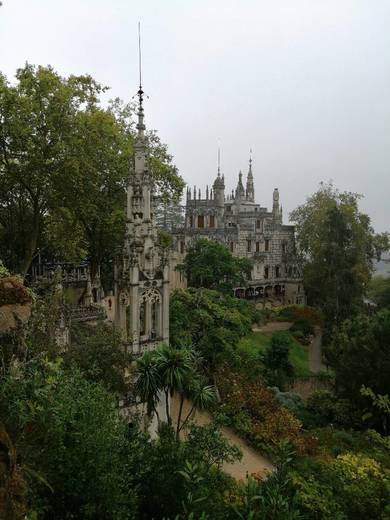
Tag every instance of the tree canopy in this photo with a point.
(338, 246)
(211, 265)
(64, 162)
(360, 355)
(210, 321)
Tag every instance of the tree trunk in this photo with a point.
(31, 247)
(169, 420)
(179, 416)
(188, 416)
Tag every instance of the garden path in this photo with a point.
(251, 462)
(272, 326)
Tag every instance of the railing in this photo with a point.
(80, 313)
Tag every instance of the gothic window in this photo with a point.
(232, 246)
(191, 221)
(181, 246)
(249, 246)
(257, 247)
(200, 221)
(266, 272)
(154, 319)
(142, 318)
(277, 271)
(267, 244)
(212, 221)
(257, 224)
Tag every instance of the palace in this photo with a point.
(248, 230)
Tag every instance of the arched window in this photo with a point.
(154, 318)
(142, 318)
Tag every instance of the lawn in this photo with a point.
(256, 342)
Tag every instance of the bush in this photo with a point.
(327, 408)
(352, 486)
(303, 326)
(69, 432)
(293, 402)
(276, 359)
(255, 414)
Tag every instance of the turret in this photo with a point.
(240, 192)
(276, 209)
(219, 194)
(219, 186)
(250, 190)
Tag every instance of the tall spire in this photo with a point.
(250, 190)
(140, 93)
(219, 183)
(219, 161)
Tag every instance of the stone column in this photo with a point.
(165, 304)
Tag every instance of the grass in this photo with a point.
(256, 342)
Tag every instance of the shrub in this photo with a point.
(276, 359)
(255, 413)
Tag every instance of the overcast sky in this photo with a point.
(304, 83)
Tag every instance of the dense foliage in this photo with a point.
(64, 161)
(211, 265)
(68, 434)
(210, 321)
(379, 291)
(276, 359)
(338, 247)
(360, 356)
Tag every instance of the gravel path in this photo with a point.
(273, 326)
(251, 462)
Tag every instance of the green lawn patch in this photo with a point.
(256, 342)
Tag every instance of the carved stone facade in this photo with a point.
(248, 230)
(142, 278)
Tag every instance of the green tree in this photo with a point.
(338, 247)
(276, 359)
(210, 321)
(360, 355)
(99, 355)
(72, 440)
(211, 265)
(171, 371)
(379, 291)
(183, 480)
(64, 162)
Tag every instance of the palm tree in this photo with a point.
(148, 383)
(202, 396)
(172, 371)
(175, 367)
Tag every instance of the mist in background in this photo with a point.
(304, 83)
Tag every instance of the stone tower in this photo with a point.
(143, 276)
(276, 208)
(219, 194)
